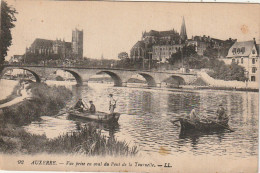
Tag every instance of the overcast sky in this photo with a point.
(113, 27)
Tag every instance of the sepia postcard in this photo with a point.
(106, 86)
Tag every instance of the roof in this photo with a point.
(139, 44)
(42, 42)
(160, 33)
(258, 48)
(241, 49)
(38, 42)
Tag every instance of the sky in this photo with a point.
(113, 27)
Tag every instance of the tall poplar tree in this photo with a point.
(7, 23)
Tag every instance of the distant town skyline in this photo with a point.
(113, 27)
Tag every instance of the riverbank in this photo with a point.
(13, 94)
(47, 101)
(87, 141)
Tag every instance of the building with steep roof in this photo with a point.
(59, 48)
(245, 54)
(159, 45)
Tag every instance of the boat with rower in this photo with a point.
(98, 116)
(203, 125)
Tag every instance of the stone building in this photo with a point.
(59, 48)
(159, 45)
(16, 58)
(204, 42)
(245, 54)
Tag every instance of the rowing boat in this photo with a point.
(98, 116)
(187, 124)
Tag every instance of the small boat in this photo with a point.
(187, 124)
(98, 116)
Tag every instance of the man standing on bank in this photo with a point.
(112, 103)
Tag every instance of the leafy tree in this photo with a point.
(227, 72)
(122, 55)
(211, 52)
(7, 23)
(196, 62)
(182, 54)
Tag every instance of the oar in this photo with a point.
(175, 121)
(66, 111)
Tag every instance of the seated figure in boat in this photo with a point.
(194, 115)
(92, 108)
(221, 114)
(79, 106)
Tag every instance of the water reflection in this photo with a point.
(145, 115)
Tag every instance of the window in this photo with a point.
(253, 51)
(252, 78)
(242, 60)
(253, 61)
(233, 60)
(234, 50)
(254, 69)
(243, 49)
(238, 61)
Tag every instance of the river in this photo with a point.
(146, 114)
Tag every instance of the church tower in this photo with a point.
(77, 43)
(183, 32)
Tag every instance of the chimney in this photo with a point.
(254, 40)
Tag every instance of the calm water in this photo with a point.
(146, 113)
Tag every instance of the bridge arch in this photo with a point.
(114, 76)
(149, 79)
(75, 75)
(37, 77)
(174, 79)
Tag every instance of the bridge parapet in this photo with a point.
(120, 76)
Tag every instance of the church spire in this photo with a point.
(183, 33)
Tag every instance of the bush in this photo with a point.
(88, 141)
(227, 72)
(59, 78)
(46, 101)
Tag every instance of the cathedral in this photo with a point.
(159, 45)
(58, 48)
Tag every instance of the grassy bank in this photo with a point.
(47, 101)
(87, 141)
(12, 96)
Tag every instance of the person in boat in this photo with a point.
(80, 106)
(92, 108)
(194, 115)
(221, 113)
(112, 103)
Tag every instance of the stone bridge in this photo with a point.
(120, 76)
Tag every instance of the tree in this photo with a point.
(7, 23)
(122, 55)
(227, 72)
(182, 54)
(211, 52)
